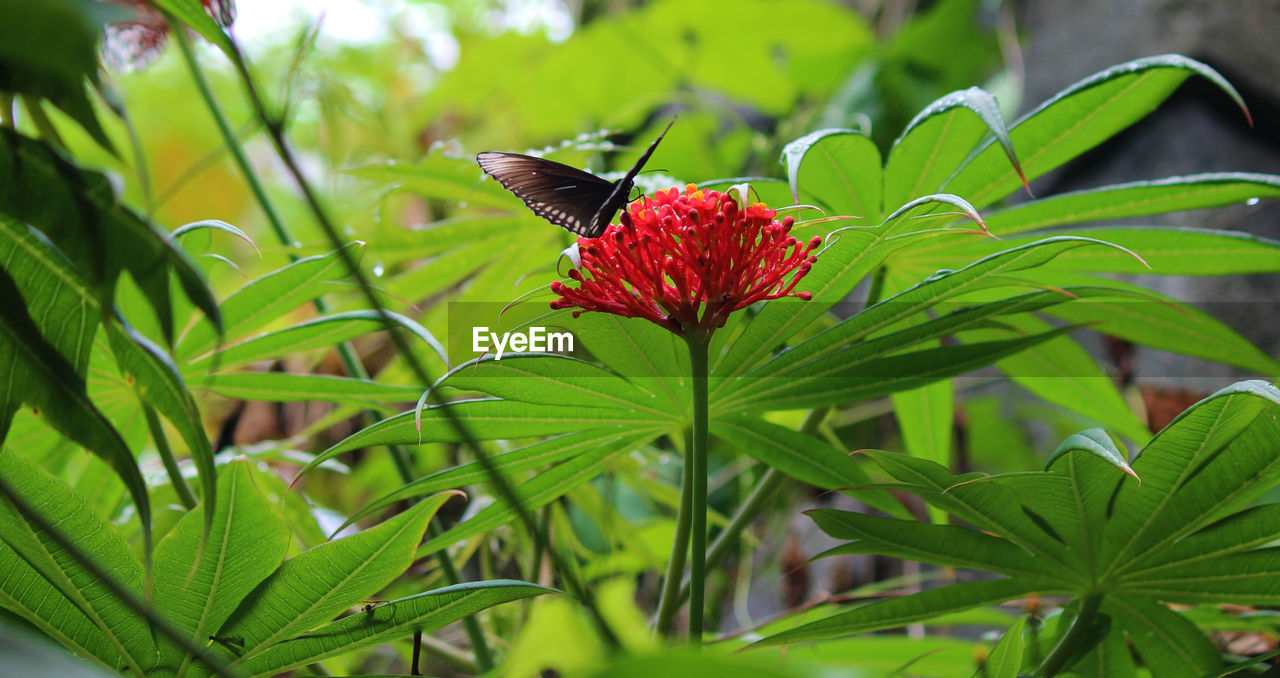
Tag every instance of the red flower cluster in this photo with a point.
(136, 42)
(687, 260)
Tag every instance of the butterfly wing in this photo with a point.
(622, 189)
(563, 195)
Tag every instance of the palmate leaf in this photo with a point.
(1006, 660)
(201, 577)
(78, 212)
(1077, 119)
(943, 150)
(323, 332)
(907, 609)
(129, 638)
(30, 596)
(550, 379)
(541, 490)
(157, 382)
(280, 387)
(537, 455)
(389, 621)
(1081, 527)
(490, 420)
(1164, 250)
(36, 373)
(314, 586)
(266, 299)
(939, 139)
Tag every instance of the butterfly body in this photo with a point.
(568, 197)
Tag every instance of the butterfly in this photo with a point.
(577, 201)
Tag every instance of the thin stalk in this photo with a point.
(672, 594)
(479, 646)
(1069, 646)
(274, 125)
(698, 479)
(179, 483)
(350, 361)
(755, 502)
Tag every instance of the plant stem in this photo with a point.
(672, 593)
(698, 479)
(179, 483)
(754, 503)
(1068, 648)
(350, 361)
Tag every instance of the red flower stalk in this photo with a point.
(687, 260)
(137, 42)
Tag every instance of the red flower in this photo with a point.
(686, 261)
(138, 41)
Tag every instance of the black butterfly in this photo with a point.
(566, 196)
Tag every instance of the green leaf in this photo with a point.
(550, 379)
(803, 457)
(1164, 250)
(927, 294)
(1215, 456)
(266, 299)
(27, 654)
(1168, 643)
(939, 139)
(192, 13)
(200, 577)
(983, 504)
(839, 167)
(323, 332)
(487, 420)
(79, 213)
(1164, 323)
(1248, 529)
(1006, 659)
(529, 457)
(78, 521)
(392, 620)
(280, 387)
(322, 581)
(1097, 442)
(926, 417)
(38, 602)
(1136, 199)
(436, 176)
(156, 382)
(1111, 658)
(926, 543)
(1077, 119)
(876, 376)
(905, 610)
(49, 51)
(57, 392)
(647, 355)
(544, 488)
(1249, 578)
(1062, 372)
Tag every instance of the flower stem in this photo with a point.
(672, 594)
(764, 490)
(698, 479)
(1068, 648)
